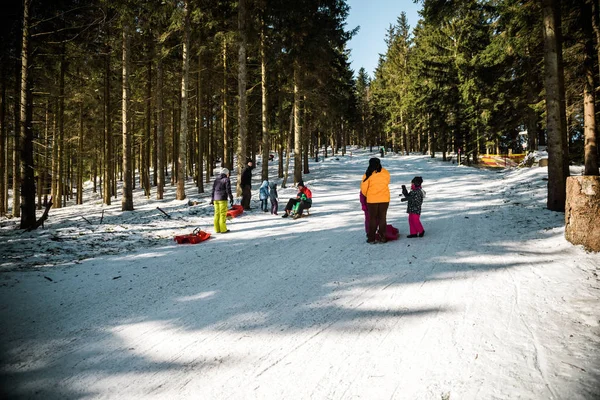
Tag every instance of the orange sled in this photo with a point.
(196, 237)
(235, 210)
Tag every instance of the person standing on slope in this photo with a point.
(375, 187)
(218, 197)
(274, 198)
(246, 185)
(415, 200)
(263, 195)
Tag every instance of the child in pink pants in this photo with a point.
(415, 200)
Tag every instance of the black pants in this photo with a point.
(377, 219)
(246, 196)
(304, 205)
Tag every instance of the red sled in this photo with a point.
(196, 237)
(235, 210)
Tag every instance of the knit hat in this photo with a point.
(224, 171)
(300, 183)
(417, 180)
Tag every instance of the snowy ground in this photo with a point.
(492, 303)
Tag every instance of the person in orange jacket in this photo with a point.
(375, 187)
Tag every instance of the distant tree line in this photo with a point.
(474, 73)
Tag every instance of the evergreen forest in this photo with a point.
(156, 93)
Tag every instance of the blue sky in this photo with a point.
(374, 17)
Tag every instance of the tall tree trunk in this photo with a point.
(16, 171)
(154, 157)
(134, 153)
(265, 108)
(60, 142)
(108, 140)
(160, 135)
(127, 198)
(225, 124)
(282, 136)
(46, 157)
(406, 143)
(183, 131)
(288, 150)
(589, 98)
(26, 131)
(200, 122)
(430, 139)
(148, 123)
(3, 141)
(306, 144)
(242, 106)
(558, 166)
(595, 15)
(54, 165)
(80, 156)
(210, 137)
(297, 127)
(174, 143)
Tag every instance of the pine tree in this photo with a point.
(558, 166)
(26, 130)
(183, 131)
(127, 196)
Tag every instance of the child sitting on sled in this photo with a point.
(301, 202)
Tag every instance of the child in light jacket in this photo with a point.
(263, 195)
(415, 200)
(274, 198)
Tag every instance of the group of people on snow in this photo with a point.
(221, 191)
(266, 193)
(374, 198)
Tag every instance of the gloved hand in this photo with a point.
(212, 204)
(231, 202)
(403, 186)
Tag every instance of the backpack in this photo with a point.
(391, 233)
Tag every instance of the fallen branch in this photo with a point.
(40, 222)
(159, 209)
(86, 220)
(573, 365)
(102, 217)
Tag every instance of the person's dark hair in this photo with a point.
(418, 181)
(374, 165)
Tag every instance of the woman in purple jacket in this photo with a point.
(220, 191)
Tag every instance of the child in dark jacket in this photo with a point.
(274, 198)
(415, 200)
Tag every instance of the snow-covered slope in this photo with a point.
(492, 303)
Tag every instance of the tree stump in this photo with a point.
(582, 211)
